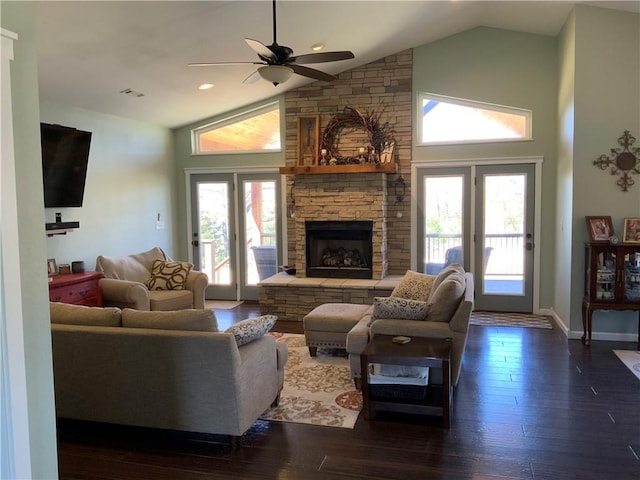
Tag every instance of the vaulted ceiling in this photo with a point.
(89, 52)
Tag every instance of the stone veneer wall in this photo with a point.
(382, 86)
(291, 302)
(343, 197)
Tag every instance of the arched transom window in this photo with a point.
(256, 130)
(448, 120)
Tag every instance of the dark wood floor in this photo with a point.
(530, 405)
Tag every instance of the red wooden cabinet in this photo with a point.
(76, 288)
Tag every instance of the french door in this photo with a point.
(481, 217)
(235, 231)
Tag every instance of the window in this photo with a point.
(447, 120)
(256, 130)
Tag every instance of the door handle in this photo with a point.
(528, 246)
(195, 243)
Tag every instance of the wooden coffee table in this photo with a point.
(421, 352)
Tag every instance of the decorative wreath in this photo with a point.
(353, 118)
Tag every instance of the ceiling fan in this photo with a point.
(278, 63)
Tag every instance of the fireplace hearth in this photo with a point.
(339, 249)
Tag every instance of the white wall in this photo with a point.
(607, 98)
(130, 180)
(564, 213)
(36, 347)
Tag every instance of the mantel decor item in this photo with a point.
(631, 230)
(64, 269)
(600, 228)
(623, 161)
(352, 119)
(308, 140)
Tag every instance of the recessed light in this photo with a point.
(316, 47)
(205, 86)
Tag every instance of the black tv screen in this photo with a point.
(65, 153)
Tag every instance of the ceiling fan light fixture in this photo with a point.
(316, 47)
(275, 74)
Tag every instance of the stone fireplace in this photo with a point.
(331, 200)
(385, 86)
(339, 249)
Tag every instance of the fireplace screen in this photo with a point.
(339, 249)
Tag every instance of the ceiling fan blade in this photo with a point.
(312, 73)
(263, 51)
(322, 57)
(253, 78)
(217, 64)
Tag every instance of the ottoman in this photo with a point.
(328, 324)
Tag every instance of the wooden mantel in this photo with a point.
(329, 169)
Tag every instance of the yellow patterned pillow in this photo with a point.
(414, 286)
(168, 275)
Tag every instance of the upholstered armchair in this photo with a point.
(430, 306)
(150, 281)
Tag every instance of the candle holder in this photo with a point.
(323, 157)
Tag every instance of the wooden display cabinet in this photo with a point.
(612, 281)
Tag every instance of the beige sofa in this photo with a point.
(446, 320)
(169, 370)
(150, 281)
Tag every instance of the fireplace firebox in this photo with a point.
(339, 249)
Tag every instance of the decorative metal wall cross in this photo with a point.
(623, 161)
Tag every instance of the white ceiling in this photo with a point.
(90, 51)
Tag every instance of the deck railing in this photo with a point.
(506, 258)
(218, 273)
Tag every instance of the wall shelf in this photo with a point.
(60, 228)
(329, 169)
(58, 231)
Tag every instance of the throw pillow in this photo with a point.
(398, 308)
(188, 319)
(414, 286)
(168, 275)
(250, 329)
(80, 315)
(443, 274)
(445, 298)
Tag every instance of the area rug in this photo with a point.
(497, 319)
(317, 390)
(221, 304)
(631, 358)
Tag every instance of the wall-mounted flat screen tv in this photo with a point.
(65, 154)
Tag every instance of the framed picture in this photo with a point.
(308, 139)
(52, 267)
(600, 228)
(631, 230)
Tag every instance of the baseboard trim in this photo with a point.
(550, 312)
(577, 334)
